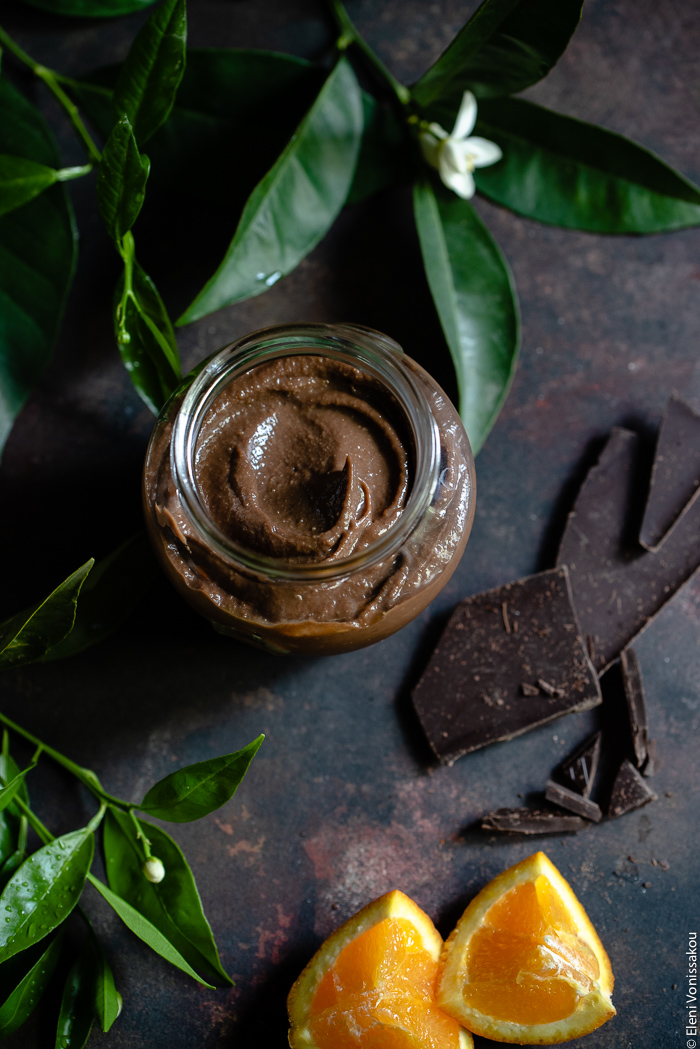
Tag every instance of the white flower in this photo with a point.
(455, 156)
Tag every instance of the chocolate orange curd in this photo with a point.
(310, 489)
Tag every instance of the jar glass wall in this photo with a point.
(309, 488)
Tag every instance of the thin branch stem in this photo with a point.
(349, 35)
(86, 776)
(51, 80)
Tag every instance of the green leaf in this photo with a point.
(13, 786)
(107, 1000)
(90, 8)
(173, 905)
(11, 864)
(386, 157)
(20, 1003)
(44, 891)
(567, 173)
(38, 244)
(9, 769)
(146, 931)
(21, 180)
(505, 47)
(196, 790)
(121, 180)
(76, 1013)
(8, 837)
(110, 593)
(295, 204)
(29, 634)
(146, 338)
(475, 299)
(149, 79)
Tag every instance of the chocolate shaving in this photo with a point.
(636, 704)
(651, 765)
(529, 690)
(617, 586)
(531, 821)
(569, 799)
(675, 476)
(629, 791)
(471, 692)
(579, 769)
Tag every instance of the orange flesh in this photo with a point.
(379, 994)
(521, 962)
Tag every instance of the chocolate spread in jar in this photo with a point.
(306, 461)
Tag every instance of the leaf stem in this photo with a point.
(140, 836)
(86, 776)
(349, 35)
(51, 80)
(34, 821)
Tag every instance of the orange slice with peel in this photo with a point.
(371, 985)
(524, 963)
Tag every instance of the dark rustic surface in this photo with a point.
(343, 801)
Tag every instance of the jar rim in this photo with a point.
(364, 348)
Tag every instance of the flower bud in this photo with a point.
(153, 870)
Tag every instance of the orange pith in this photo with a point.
(522, 959)
(380, 993)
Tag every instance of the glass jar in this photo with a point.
(309, 488)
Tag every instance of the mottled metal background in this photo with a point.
(343, 801)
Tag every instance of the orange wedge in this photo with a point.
(371, 985)
(524, 964)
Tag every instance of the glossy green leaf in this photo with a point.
(11, 864)
(146, 338)
(145, 930)
(9, 769)
(475, 299)
(13, 786)
(76, 1013)
(295, 204)
(121, 180)
(21, 180)
(567, 173)
(149, 79)
(196, 790)
(90, 8)
(20, 1003)
(505, 47)
(173, 905)
(44, 891)
(107, 1001)
(110, 593)
(29, 634)
(38, 245)
(8, 837)
(386, 157)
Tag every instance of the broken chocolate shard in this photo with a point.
(636, 704)
(675, 476)
(618, 587)
(532, 821)
(578, 770)
(569, 799)
(629, 792)
(471, 693)
(529, 690)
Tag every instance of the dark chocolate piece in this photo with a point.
(579, 769)
(617, 585)
(569, 799)
(636, 704)
(531, 821)
(471, 693)
(629, 792)
(675, 477)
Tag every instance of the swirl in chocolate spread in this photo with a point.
(304, 458)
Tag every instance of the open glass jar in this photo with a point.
(309, 488)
